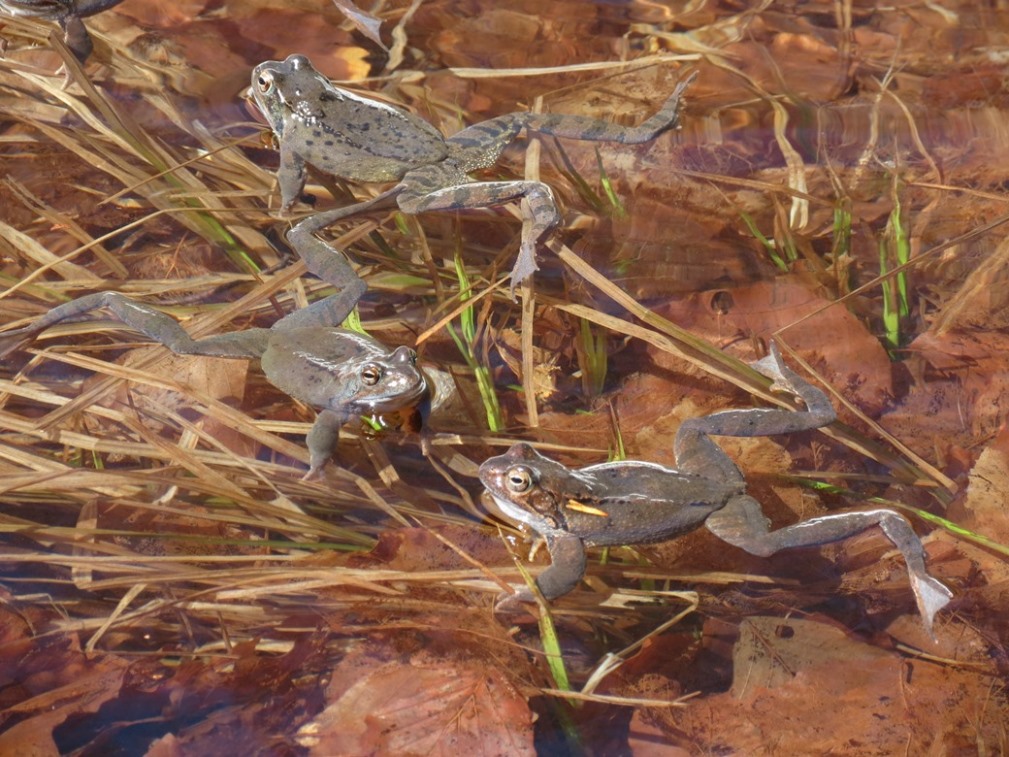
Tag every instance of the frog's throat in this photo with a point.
(520, 515)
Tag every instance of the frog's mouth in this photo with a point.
(399, 401)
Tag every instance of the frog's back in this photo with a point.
(647, 502)
(366, 140)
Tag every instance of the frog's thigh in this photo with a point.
(567, 555)
(698, 454)
(480, 145)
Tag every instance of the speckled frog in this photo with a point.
(305, 354)
(362, 139)
(633, 502)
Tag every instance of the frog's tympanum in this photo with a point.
(361, 139)
(633, 502)
(341, 372)
(67, 13)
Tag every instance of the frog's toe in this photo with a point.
(314, 472)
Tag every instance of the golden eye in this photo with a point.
(519, 479)
(371, 374)
(264, 82)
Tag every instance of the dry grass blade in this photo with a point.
(33, 251)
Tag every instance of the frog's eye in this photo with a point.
(518, 479)
(371, 374)
(264, 82)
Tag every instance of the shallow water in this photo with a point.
(822, 145)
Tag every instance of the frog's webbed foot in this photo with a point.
(511, 602)
(153, 323)
(742, 524)
(431, 188)
(11, 340)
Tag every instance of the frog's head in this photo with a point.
(525, 486)
(282, 88)
(383, 384)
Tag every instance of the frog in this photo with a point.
(67, 13)
(306, 354)
(362, 139)
(635, 502)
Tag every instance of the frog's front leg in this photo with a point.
(76, 36)
(153, 323)
(291, 176)
(330, 265)
(322, 440)
(441, 187)
(742, 524)
(567, 566)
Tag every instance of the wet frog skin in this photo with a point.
(636, 502)
(67, 13)
(362, 139)
(343, 373)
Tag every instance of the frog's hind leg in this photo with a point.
(157, 325)
(436, 188)
(480, 145)
(696, 453)
(330, 264)
(742, 524)
(587, 129)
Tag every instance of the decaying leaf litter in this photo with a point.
(155, 508)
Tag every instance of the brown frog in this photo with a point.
(343, 373)
(361, 139)
(632, 502)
